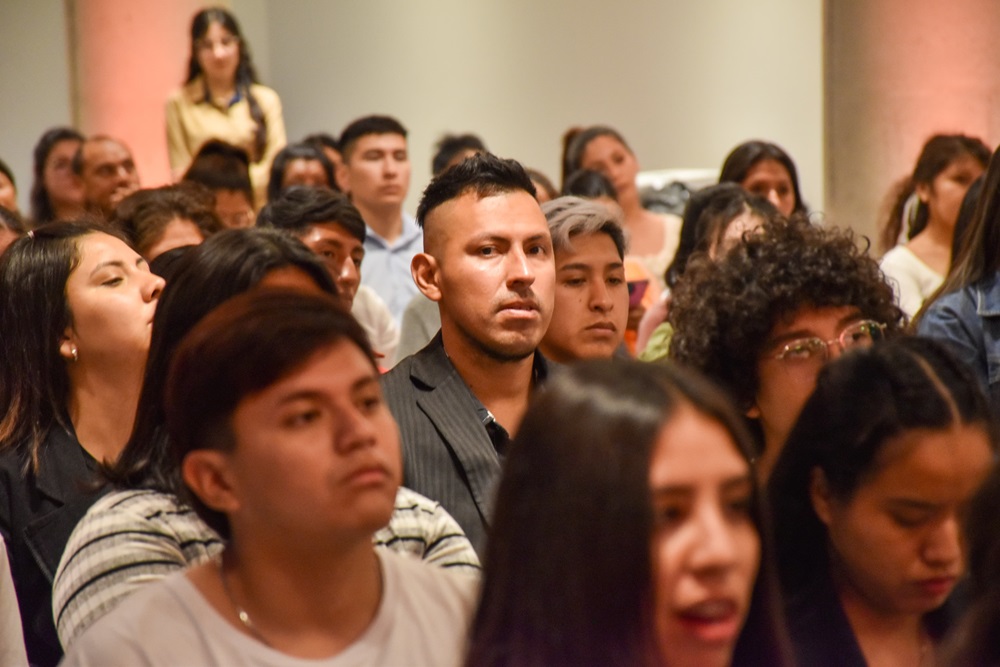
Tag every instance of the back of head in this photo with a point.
(299, 208)
(572, 216)
(229, 263)
(41, 206)
(450, 146)
(144, 215)
(573, 505)
(861, 402)
(365, 126)
(221, 166)
(742, 158)
(724, 310)
(301, 151)
(240, 348)
(589, 184)
(34, 314)
(322, 140)
(485, 174)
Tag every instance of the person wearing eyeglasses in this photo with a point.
(765, 318)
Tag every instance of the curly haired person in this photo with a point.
(764, 319)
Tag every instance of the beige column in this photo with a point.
(898, 71)
(127, 56)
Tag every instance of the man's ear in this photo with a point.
(820, 497)
(425, 271)
(342, 177)
(206, 472)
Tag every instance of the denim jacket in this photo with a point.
(969, 322)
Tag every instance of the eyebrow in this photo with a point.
(117, 263)
(912, 503)
(855, 316)
(580, 266)
(730, 485)
(315, 394)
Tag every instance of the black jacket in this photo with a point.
(37, 515)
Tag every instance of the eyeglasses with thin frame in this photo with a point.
(811, 350)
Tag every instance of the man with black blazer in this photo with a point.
(488, 264)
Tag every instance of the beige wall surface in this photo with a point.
(897, 72)
(34, 81)
(683, 81)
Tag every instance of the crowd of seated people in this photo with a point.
(264, 415)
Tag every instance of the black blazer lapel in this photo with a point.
(452, 409)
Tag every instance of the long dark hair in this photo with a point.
(34, 314)
(974, 642)
(861, 402)
(939, 152)
(742, 158)
(246, 75)
(706, 217)
(229, 263)
(568, 572)
(41, 205)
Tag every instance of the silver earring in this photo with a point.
(74, 353)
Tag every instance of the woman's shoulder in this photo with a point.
(263, 94)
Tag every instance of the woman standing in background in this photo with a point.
(221, 99)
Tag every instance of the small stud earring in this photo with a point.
(74, 353)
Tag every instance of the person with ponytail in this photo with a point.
(221, 99)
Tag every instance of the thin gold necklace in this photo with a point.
(241, 613)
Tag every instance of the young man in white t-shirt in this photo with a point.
(289, 452)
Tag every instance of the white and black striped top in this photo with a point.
(131, 538)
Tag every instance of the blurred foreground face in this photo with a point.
(706, 549)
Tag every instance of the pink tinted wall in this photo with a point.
(898, 71)
(128, 57)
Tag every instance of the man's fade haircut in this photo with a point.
(299, 208)
(570, 217)
(723, 312)
(485, 174)
(362, 127)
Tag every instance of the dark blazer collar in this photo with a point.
(431, 366)
(62, 463)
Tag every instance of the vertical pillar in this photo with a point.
(126, 59)
(898, 71)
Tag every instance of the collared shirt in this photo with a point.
(192, 120)
(499, 435)
(387, 265)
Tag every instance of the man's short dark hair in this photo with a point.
(221, 166)
(368, 125)
(299, 208)
(242, 347)
(723, 312)
(451, 145)
(485, 174)
(323, 140)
